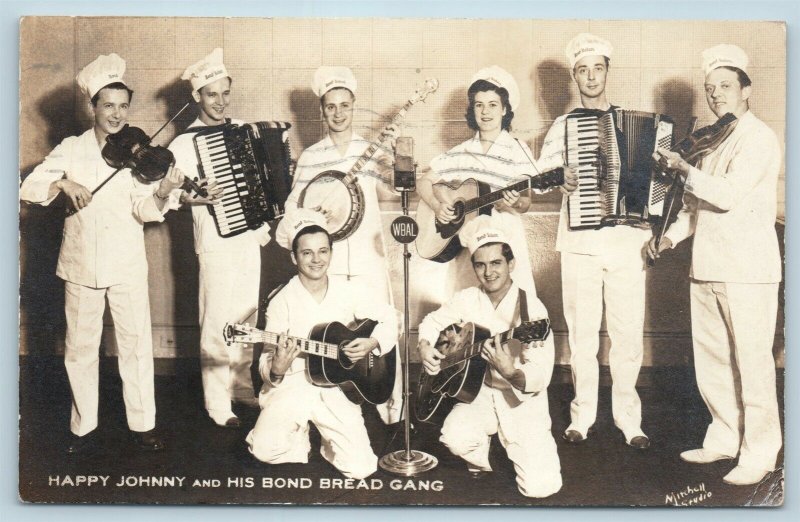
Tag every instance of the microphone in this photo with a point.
(405, 171)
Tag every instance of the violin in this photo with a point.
(130, 149)
(693, 148)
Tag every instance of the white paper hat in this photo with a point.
(207, 70)
(482, 230)
(500, 77)
(104, 70)
(331, 77)
(724, 55)
(587, 44)
(295, 221)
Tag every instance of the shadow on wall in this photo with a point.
(40, 228)
(675, 98)
(553, 87)
(175, 95)
(454, 132)
(300, 101)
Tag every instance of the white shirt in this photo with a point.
(206, 236)
(364, 251)
(294, 310)
(730, 207)
(587, 241)
(103, 243)
(473, 305)
(507, 161)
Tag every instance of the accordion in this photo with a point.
(252, 163)
(612, 152)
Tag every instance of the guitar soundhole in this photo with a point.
(458, 209)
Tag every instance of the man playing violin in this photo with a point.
(288, 399)
(512, 402)
(362, 256)
(103, 257)
(230, 268)
(730, 209)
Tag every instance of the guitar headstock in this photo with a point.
(241, 333)
(546, 180)
(530, 331)
(429, 87)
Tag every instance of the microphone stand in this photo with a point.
(407, 462)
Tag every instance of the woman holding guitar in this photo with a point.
(495, 160)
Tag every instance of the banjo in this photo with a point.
(340, 192)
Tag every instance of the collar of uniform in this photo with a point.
(504, 139)
(512, 293)
(327, 142)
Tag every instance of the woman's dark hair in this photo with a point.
(744, 80)
(313, 229)
(482, 86)
(506, 250)
(117, 86)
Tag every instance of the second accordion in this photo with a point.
(612, 152)
(252, 164)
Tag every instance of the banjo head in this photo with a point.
(340, 197)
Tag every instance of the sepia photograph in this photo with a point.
(401, 261)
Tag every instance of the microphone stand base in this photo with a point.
(409, 463)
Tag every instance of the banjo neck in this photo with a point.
(373, 147)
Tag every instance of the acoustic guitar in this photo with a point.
(371, 378)
(463, 368)
(439, 241)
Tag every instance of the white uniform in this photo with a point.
(230, 275)
(362, 256)
(597, 266)
(102, 257)
(736, 268)
(521, 419)
(507, 161)
(281, 432)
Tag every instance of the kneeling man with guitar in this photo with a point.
(301, 374)
(512, 383)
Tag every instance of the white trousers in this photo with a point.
(733, 329)
(588, 281)
(524, 432)
(281, 431)
(390, 411)
(229, 286)
(130, 309)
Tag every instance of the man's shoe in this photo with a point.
(82, 445)
(147, 440)
(573, 436)
(640, 442)
(703, 456)
(233, 423)
(745, 476)
(478, 474)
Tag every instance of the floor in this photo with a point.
(216, 468)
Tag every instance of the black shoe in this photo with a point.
(573, 436)
(478, 474)
(640, 442)
(82, 445)
(147, 440)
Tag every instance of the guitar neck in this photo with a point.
(472, 350)
(373, 147)
(541, 181)
(328, 350)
